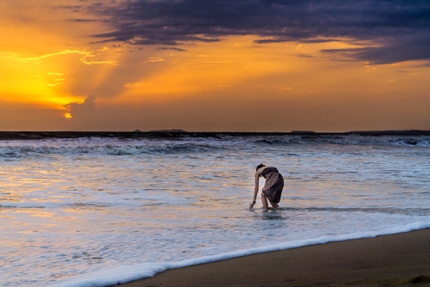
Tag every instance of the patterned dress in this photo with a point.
(274, 184)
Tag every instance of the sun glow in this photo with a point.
(30, 84)
(49, 80)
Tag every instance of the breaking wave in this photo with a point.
(419, 141)
(15, 149)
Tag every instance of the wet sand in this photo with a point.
(393, 260)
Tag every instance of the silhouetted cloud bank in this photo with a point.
(83, 114)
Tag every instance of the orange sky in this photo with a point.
(61, 71)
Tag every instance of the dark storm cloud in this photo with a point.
(399, 30)
(401, 48)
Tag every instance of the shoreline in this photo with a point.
(401, 259)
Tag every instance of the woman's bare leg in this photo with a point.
(264, 201)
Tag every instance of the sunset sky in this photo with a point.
(214, 65)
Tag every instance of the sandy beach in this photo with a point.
(392, 260)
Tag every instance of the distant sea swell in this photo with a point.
(30, 144)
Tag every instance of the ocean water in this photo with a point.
(100, 211)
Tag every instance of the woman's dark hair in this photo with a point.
(260, 165)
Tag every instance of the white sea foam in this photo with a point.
(125, 274)
(76, 211)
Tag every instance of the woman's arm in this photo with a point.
(257, 179)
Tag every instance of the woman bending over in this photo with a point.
(273, 186)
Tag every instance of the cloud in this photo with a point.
(154, 60)
(83, 115)
(397, 29)
(172, 48)
(87, 57)
(38, 59)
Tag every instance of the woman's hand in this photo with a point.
(252, 205)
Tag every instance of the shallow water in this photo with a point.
(73, 209)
